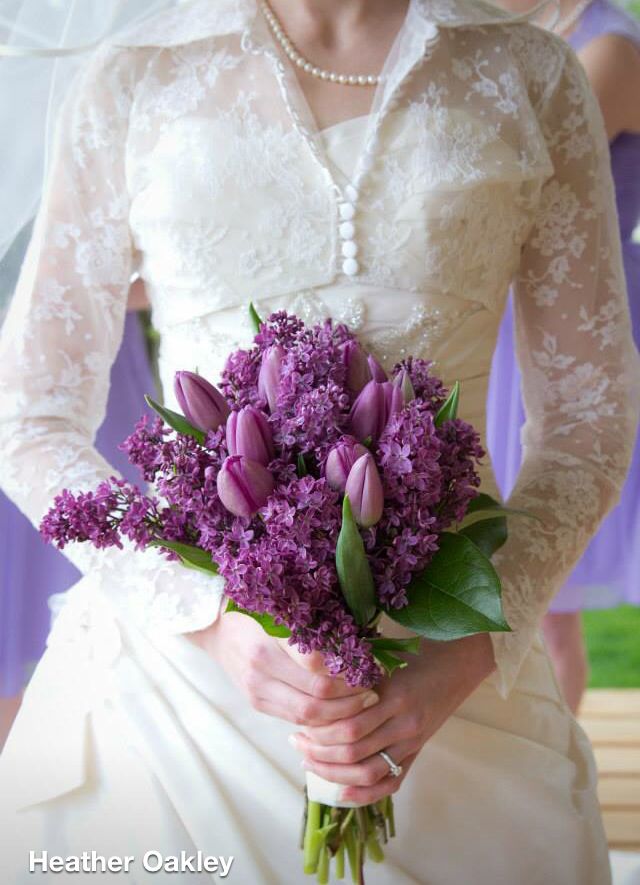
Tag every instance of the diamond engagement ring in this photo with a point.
(395, 770)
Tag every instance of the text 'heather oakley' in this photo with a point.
(152, 862)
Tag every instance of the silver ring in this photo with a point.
(395, 770)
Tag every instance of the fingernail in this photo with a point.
(344, 796)
(305, 764)
(370, 699)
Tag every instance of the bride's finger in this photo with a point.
(386, 787)
(367, 773)
(304, 709)
(350, 731)
(284, 666)
(390, 732)
(312, 661)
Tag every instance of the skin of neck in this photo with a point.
(546, 15)
(333, 23)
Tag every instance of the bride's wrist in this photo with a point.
(470, 659)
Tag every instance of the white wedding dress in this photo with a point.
(186, 150)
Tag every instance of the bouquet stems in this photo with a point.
(331, 833)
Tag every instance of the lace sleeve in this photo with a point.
(579, 368)
(61, 336)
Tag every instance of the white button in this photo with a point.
(351, 193)
(349, 249)
(347, 230)
(347, 211)
(350, 266)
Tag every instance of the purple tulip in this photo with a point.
(243, 485)
(377, 372)
(403, 381)
(357, 365)
(373, 407)
(269, 376)
(202, 404)
(340, 460)
(364, 488)
(249, 434)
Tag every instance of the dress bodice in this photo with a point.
(186, 151)
(424, 318)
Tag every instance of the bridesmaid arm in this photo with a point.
(579, 368)
(612, 63)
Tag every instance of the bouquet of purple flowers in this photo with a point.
(324, 493)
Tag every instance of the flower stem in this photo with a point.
(323, 866)
(374, 851)
(340, 861)
(335, 832)
(311, 841)
(350, 844)
(391, 821)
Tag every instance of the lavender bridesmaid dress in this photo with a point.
(609, 572)
(30, 570)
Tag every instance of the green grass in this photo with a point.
(613, 640)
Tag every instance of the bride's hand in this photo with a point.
(414, 703)
(275, 678)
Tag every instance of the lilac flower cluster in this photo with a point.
(116, 508)
(251, 487)
(286, 568)
(429, 478)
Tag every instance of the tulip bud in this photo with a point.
(377, 372)
(243, 485)
(202, 404)
(373, 407)
(364, 488)
(340, 460)
(357, 365)
(249, 434)
(269, 376)
(403, 381)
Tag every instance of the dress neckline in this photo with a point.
(344, 124)
(406, 52)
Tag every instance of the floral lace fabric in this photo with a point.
(186, 150)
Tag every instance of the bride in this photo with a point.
(395, 165)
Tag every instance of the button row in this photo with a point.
(347, 229)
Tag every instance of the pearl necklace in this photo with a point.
(290, 50)
(571, 18)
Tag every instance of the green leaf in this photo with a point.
(410, 646)
(354, 572)
(483, 506)
(266, 621)
(484, 523)
(254, 316)
(449, 409)
(177, 421)
(389, 661)
(457, 595)
(482, 502)
(190, 556)
(383, 649)
(489, 534)
(302, 466)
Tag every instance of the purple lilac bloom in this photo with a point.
(425, 386)
(289, 572)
